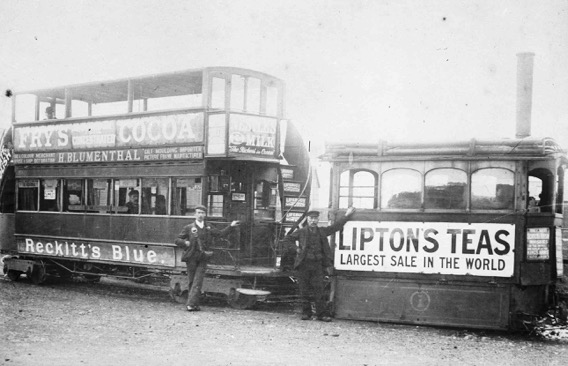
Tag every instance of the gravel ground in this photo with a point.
(73, 323)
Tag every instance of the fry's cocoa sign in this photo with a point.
(155, 255)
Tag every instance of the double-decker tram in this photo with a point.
(454, 234)
(104, 182)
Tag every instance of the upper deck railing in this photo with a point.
(504, 148)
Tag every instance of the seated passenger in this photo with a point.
(160, 205)
(132, 204)
(532, 205)
(49, 113)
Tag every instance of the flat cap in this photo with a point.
(201, 207)
(313, 214)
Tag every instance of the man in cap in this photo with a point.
(196, 239)
(312, 256)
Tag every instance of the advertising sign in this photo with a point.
(418, 247)
(110, 156)
(252, 135)
(119, 134)
(156, 255)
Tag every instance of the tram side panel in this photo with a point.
(434, 287)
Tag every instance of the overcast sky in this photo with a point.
(356, 70)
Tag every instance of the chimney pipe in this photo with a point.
(525, 62)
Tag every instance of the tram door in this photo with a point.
(248, 193)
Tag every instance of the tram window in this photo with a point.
(79, 108)
(541, 187)
(25, 108)
(178, 101)
(401, 189)
(218, 93)
(265, 194)
(101, 109)
(238, 93)
(357, 188)
(271, 101)
(154, 193)
(98, 195)
(8, 191)
(126, 196)
(215, 205)
(186, 194)
(253, 95)
(73, 195)
(445, 189)
(28, 190)
(560, 190)
(49, 195)
(492, 189)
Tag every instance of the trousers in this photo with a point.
(195, 275)
(310, 281)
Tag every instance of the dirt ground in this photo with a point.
(78, 323)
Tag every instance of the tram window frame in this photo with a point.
(120, 194)
(154, 190)
(385, 198)
(32, 198)
(215, 204)
(70, 189)
(445, 192)
(97, 200)
(46, 190)
(348, 190)
(187, 193)
(492, 202)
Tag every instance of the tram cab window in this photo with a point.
(28, 190)
(560, 190)
(265, 195)
(541, 187)
(98, 195)
(73, 195)
(357, 188)
(401, 189)
(186, 195)
(445, 189)
(126, 196)
(492, 189)
(215, 205)
(154, 193)
(49, 195)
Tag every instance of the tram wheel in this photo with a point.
(92, 278)
(240, 301)
(11, 274)
(38, 274)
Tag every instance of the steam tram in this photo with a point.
(214, 136)
(448, 233)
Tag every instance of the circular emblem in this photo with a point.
(420, 300)
(237, 138)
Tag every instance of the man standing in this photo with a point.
(196, 239)
(312, 256)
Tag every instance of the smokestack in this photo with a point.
(525, 62)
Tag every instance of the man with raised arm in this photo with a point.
(313, 255)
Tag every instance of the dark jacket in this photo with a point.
(199, 240)
(301, 235)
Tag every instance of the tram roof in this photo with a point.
(527, 147)
(147, 86)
